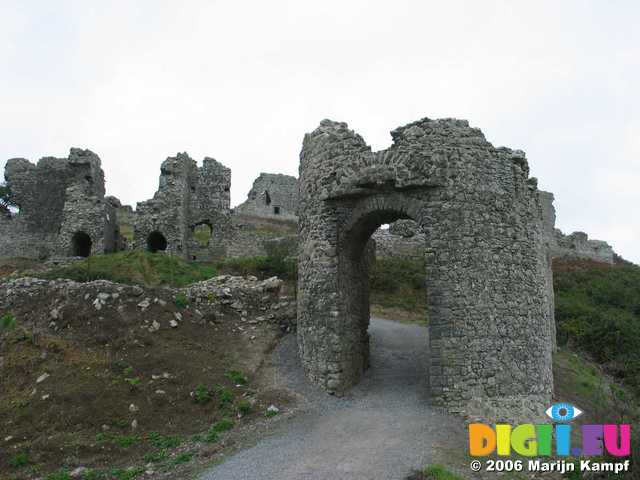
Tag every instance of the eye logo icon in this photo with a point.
(563, 412)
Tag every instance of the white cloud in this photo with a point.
(243, 81)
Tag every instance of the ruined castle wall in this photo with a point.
(41, 192)
(388, 245)
(490, 340)
(187, 197)
(90, 215)
(576, 245)
(272, 195)
(251, 236)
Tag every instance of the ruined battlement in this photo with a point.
(40, 189)
(425, 154)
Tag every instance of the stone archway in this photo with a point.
(156, 242)
(491, 336)
(81, 244)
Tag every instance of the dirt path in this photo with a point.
(383, 429)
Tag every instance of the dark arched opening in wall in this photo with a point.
(81, 244)
(156, 242)
(385, 299)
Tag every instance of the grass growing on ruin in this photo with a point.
(139, 268)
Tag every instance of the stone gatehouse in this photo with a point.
(487, 266)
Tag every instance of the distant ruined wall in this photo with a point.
(187, 197)
(272, 195)
(251, 236)
(576, 245)
(45, 223)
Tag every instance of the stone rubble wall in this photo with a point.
(388, 245)
(82, 309)
(272, 191)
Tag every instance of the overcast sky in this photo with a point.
(243, 81)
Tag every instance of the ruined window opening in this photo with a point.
(276, 210)
(156, 242)
(202, 234)
(81, 244)
(267, 198)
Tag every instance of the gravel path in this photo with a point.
(382, 429)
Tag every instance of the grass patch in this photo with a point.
(181, 458)
(126, 474)
(223, 425)
(164, 442)
(181, 300)
(224, 394)
(60, 475)
(135, 268)
(598, 312)
(236, 377)
(201, 394)
(7, 321)
(20, 459)
(244, 407)
(434, 472)
(399, 284)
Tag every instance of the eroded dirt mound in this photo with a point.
(99, 375)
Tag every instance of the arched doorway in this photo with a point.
(81, 244)
(156, 242)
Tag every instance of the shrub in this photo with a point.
(224, 395)
(181, 300)
(201, 394)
